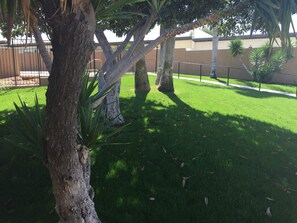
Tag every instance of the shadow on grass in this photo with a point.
(242, 91)
(236, 162)
(4, 115)
(261, 94)
(220, 80)
(176, 157)
(25, 188)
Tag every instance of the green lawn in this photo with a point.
(289, 88)
(235, 147)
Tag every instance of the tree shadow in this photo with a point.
(220, 80)
(245, 92)
(4, 114)
(25, 186)
(261, 94)
(178, 155)
(171, 158)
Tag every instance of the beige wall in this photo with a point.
(180, 44)
(224, 44)
(191, 61)
(7, 67)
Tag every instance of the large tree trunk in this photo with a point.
(111, 103)
(166, 81)
(214, 53)
(142, 83)
(68, 162)
(161, 59)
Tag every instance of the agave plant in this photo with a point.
(91, 123)
(265, 64)
(28, 125)
(275, 17)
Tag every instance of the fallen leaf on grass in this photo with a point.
(243, 157)
(269, 198)
(196, 157)
(152, 198)
(268, 212)
(206, 200)
(184, 181)
(182, 165)
(174, 158)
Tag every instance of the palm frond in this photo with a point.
(276, 15)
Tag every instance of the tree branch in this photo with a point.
(131, 51)
(128, 37)
(103, 42)
(141, 33)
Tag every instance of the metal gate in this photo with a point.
(21, 63)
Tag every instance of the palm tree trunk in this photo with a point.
(142, 83)
(72, 43)
(166, 81)
(111, 103)
(161, 58)
(214, 53)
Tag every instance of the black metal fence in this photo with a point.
(21, 63)
(226, 75)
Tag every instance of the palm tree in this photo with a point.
(275, 17)
(214, 53)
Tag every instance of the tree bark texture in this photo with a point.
(166, 81)
(111, 102)
(141, 80)
(111, 105)
(142, 83)
(68, 162)
(161, 58)
(160, 67)
(214, 53)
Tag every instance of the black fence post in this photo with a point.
(94, 60)
(259, 85)
(156, 60)
(13, 58)
(228, 76)
(200, 72)
(38, 64)
(178, 69)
